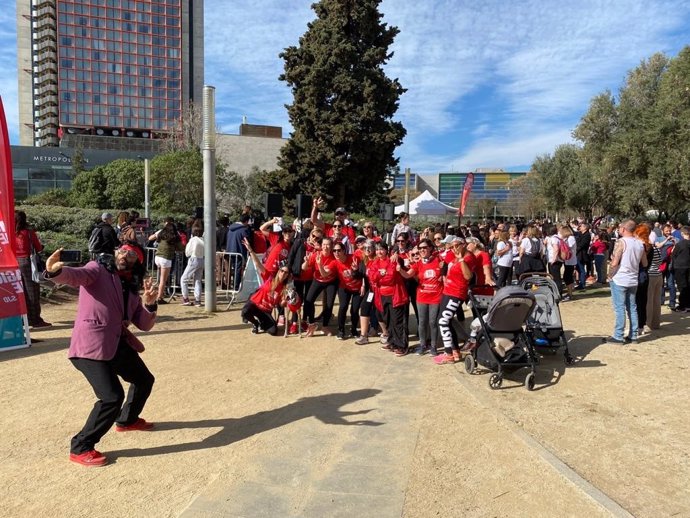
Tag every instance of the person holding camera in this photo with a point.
(102, 347)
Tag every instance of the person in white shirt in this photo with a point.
(566, 234)
(195, 266)
(504, 252)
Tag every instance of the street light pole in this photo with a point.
(209, 157)
(147, 188)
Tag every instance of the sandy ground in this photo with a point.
(224, 402)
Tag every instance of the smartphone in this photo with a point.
(70, 256)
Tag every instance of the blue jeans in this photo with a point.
(582, 277)
(623, 299)
(599, 260)
(671, 286)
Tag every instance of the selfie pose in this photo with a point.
(103, 348)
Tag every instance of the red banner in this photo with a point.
(12, 301)
(6, 178)
(466, 189)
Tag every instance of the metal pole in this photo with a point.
(209, 156)
(147, 188)
(407, 190)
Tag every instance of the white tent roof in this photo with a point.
(426, 205)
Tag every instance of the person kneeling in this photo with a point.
(259, 308)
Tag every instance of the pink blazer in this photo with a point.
(98, 324)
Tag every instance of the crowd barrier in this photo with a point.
(233, 281)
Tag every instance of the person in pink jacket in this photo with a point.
(102, 347)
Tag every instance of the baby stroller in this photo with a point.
(502, 345)
(544, 325)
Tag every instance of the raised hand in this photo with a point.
(150, 293)
(53, 263)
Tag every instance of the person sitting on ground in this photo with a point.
(272, 294)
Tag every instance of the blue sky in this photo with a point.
(490, 83)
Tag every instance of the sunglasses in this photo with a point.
(368, 226)
(337, 249)
(129, 253)
(284, 271)
(337, 226)
(401, 240)
(423, 247)
(438, 239)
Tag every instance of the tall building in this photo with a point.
(107, 74)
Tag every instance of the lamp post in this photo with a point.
(209, 156)
(147, 186)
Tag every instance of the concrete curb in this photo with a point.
(544, 452)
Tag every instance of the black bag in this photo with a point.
(96, 240)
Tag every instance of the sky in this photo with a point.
(490, 83)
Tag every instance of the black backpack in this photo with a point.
(96, 240)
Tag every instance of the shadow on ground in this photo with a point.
(325, 408)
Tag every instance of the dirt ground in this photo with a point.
(224, 399)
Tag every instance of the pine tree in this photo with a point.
(343, 104)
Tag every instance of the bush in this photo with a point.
(58, 197)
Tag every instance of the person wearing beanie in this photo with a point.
(102, 347)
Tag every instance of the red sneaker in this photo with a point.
(293, 329)
(139, 425)
(89, 458)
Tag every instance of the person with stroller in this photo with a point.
(459, 267)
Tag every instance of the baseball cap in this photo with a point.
(106, 215)
(340, 210)
(473, 240)
(452, 239)
(359, 239)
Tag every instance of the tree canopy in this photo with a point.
(343, 105)
(633, 152)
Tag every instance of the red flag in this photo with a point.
(466, 189)
(6, 178)
(12, 301)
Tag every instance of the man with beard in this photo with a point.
(102, 347)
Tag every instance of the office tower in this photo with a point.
(107, 74)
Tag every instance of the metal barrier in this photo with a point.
(230, 269)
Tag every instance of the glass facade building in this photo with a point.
(112, 67)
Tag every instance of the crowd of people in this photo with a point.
(380, 283)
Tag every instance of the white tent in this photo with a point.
(426, 205)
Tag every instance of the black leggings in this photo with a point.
(301, 287)
(260, 318)
(504, 275)
(314, 291)
(344, 299)
(448, 308)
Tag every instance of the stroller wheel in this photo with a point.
(495, 381)
(470, 364)
(569, 360)
(529, 381)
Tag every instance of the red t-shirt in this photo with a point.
(279, 252)
(345, 272)
(456, 285)
(23, 241)
(307, 273)
(266, 300)
(328, 264)
(482, 259)
(259, 242)
(430, 286)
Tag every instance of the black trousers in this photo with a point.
(344, 299)
(314, 291)
(394, 318)
(302, 288)
(555, 272)
(259, 318)
(682, 276)
(103, 378)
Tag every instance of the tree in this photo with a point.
(524, 196)
(188, 131)
(343, 104)
(240, 191)
(125, 187)
(88, 188)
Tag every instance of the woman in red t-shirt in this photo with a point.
(259, 308)
(427, 271)
(461, 264)
(391, 299)
(26, 240)
(325, 279)
(349, 290)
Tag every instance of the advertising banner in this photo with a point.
(466, 190)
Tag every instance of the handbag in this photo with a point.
(38, 265)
